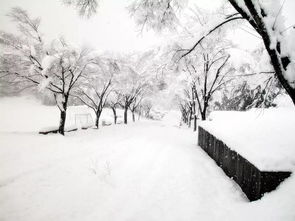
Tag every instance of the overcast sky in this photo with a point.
(110, 29)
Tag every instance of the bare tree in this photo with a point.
(146, 107)
(129, 85)
(129, 97)
(113, 103)
(207, 70)
(96, 88)
(185, 109)
(135, 105)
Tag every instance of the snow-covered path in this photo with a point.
(143, 171)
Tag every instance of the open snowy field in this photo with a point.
(147, 170)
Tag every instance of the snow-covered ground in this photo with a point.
(149, 170)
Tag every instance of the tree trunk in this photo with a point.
(62, 122)
(115, 115)
(133, 116)
(195, 122)
(63, 116)
(125, 114)
(203, 115)
(98, 113)
(190, 117)
(204, 111)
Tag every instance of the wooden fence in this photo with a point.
(252, 181)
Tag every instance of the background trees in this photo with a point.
(131, 88)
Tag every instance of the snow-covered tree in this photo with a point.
(132, 82)
(25, 60)
(187, 106)
(146, 107)
(20, 51)
(95, 89)
(203, 72)
(130, 88)
(263, 15)
(113, 102)
(63, 69)
(243, 96)
(84, 7)
(135, 106)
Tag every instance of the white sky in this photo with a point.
(110, 29)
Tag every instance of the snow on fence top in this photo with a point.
(265, 137)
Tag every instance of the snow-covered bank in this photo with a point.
(26, 114)
(265, 137)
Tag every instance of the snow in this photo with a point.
(44, 83)
(33, 51)
(47, 63)
(172, 118)
(149, 170)
(283, 100)
(26, 114)
(263, 136)
(289, 74)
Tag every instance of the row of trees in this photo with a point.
(264, 20)
(209, 76)
(263, 17)
(206, 75)
(65, 72)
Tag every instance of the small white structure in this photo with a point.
(83, 120)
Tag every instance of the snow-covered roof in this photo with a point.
(265, 137)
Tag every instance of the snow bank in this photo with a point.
(27, 114)
(265, 137)
(24, 114)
